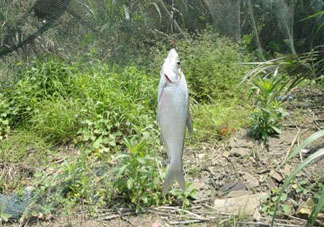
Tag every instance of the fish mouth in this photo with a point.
(168, 79)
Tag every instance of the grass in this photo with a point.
(24, 146)
(20, 154)
(108, 114)
(56, 120)
(220, 119)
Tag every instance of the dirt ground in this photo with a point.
(231, 168)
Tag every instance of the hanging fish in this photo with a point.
(173, 116)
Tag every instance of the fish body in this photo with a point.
(173, 116)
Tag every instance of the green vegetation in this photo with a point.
(320, 153)
(212, 65)
(92, 130)
(269, 110)
(78, 99)
(219, 119)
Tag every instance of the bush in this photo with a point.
(101, 105)
(115, 105)
(39, 81)
(211, 65)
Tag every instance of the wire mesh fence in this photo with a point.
(114, 29)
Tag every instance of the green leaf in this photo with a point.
(311, 158)
(286, 209)
(305, 143)
(283, 197)
(277, 130)
(317, 209)
(130, 183)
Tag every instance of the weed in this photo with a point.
(186, 197)
(38, 82)
(24, 146)
(269, 111)
(122, 104)
(138, 176)
(78, 180)
(269, 201)
(5, 113)
(56, 119)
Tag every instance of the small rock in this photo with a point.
(250, 180)
(262, 170)
(304, 151)
(246, 205)
(201, 156)
(15, 205)
(239, 193)
(155, 224)
(226, 154)
(233, 186)
(239, 152)
(241, 139)
(257, 216)
(233, 142)
(305, 209)
(202, 189)
(287, 170)
(263, 178)
(277, 176)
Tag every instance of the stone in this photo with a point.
(201, 156)
(239, 152)
(305, 209)
(239, 193)
(247, 205)
(226, 154)
(202, 189)
(14, 205)
(287, 170)
(277, 176)
(262, 170)
(233, 186)
(250, 180)
(241, 139)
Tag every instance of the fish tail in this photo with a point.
(174, 173)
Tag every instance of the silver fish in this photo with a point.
(173, 116)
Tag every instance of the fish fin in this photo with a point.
(189, 124)
(174, 173)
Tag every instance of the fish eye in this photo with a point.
(178, 63)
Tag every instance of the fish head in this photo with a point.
(171, 69)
